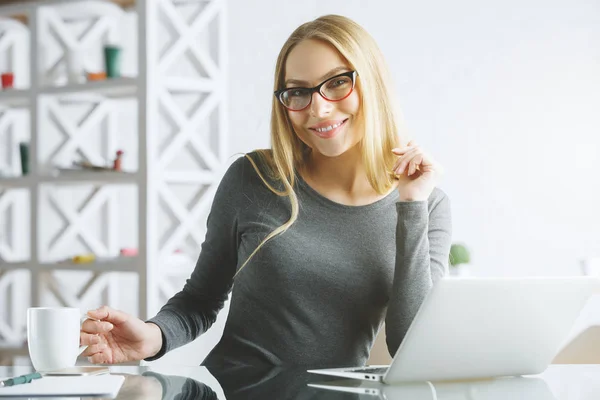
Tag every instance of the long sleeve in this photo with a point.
(194, 309)
(423, 239)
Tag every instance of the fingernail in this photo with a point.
(90, 360)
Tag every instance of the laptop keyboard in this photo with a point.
(373, 370)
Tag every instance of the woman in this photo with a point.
(335, 230)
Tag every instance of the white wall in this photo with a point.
(504, 94)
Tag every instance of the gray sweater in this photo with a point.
(317, 294)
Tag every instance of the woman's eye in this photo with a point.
(338, 82)
(295, 93)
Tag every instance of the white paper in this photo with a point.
(100, 385)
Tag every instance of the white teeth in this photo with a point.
(328, 128)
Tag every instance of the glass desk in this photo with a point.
(558, 382)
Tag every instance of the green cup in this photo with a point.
(112, 60)
(24, 152)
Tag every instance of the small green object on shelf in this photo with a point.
(459, 254)
(24, 152)
(112, 60)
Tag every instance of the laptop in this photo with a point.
(470, 328)
(513, 388)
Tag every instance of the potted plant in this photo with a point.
(460, 257)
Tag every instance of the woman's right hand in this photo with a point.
(113, 337)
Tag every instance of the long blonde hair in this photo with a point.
(379, 114)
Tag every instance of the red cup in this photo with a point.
(8, 80)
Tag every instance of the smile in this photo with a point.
(328, 128)
(327, 132)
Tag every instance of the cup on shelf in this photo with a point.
(112, 60)
(8, 80)
(75, 70)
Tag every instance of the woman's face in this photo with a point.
(328, 127)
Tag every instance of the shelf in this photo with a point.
(18, 182)
(14, 98)
(95, 90)
(119, 264)
(11, 266)
(90, 177)
(74, 177)
(112, 88)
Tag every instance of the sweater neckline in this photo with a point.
(391, 198)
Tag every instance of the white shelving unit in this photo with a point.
(15, 98)
(178, 98)
(111, 88)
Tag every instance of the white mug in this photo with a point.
(53, 337)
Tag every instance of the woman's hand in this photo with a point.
(113, 336)
(416, 171)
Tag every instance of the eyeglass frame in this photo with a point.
(317, 89)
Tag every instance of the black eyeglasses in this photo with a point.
(336, 88)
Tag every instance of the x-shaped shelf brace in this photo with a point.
(12, 284)
(75, 223)
(89, 293)
(77, 133)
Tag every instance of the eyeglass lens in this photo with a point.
(333, 89)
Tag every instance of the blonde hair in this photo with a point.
(378, 112)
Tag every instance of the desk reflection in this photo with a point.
(246, 382)
(243, 382)
(237, 382)
(154, 386)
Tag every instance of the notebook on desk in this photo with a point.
(101, 385)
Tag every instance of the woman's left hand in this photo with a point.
(416, 171)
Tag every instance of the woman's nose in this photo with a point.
(319, 107)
